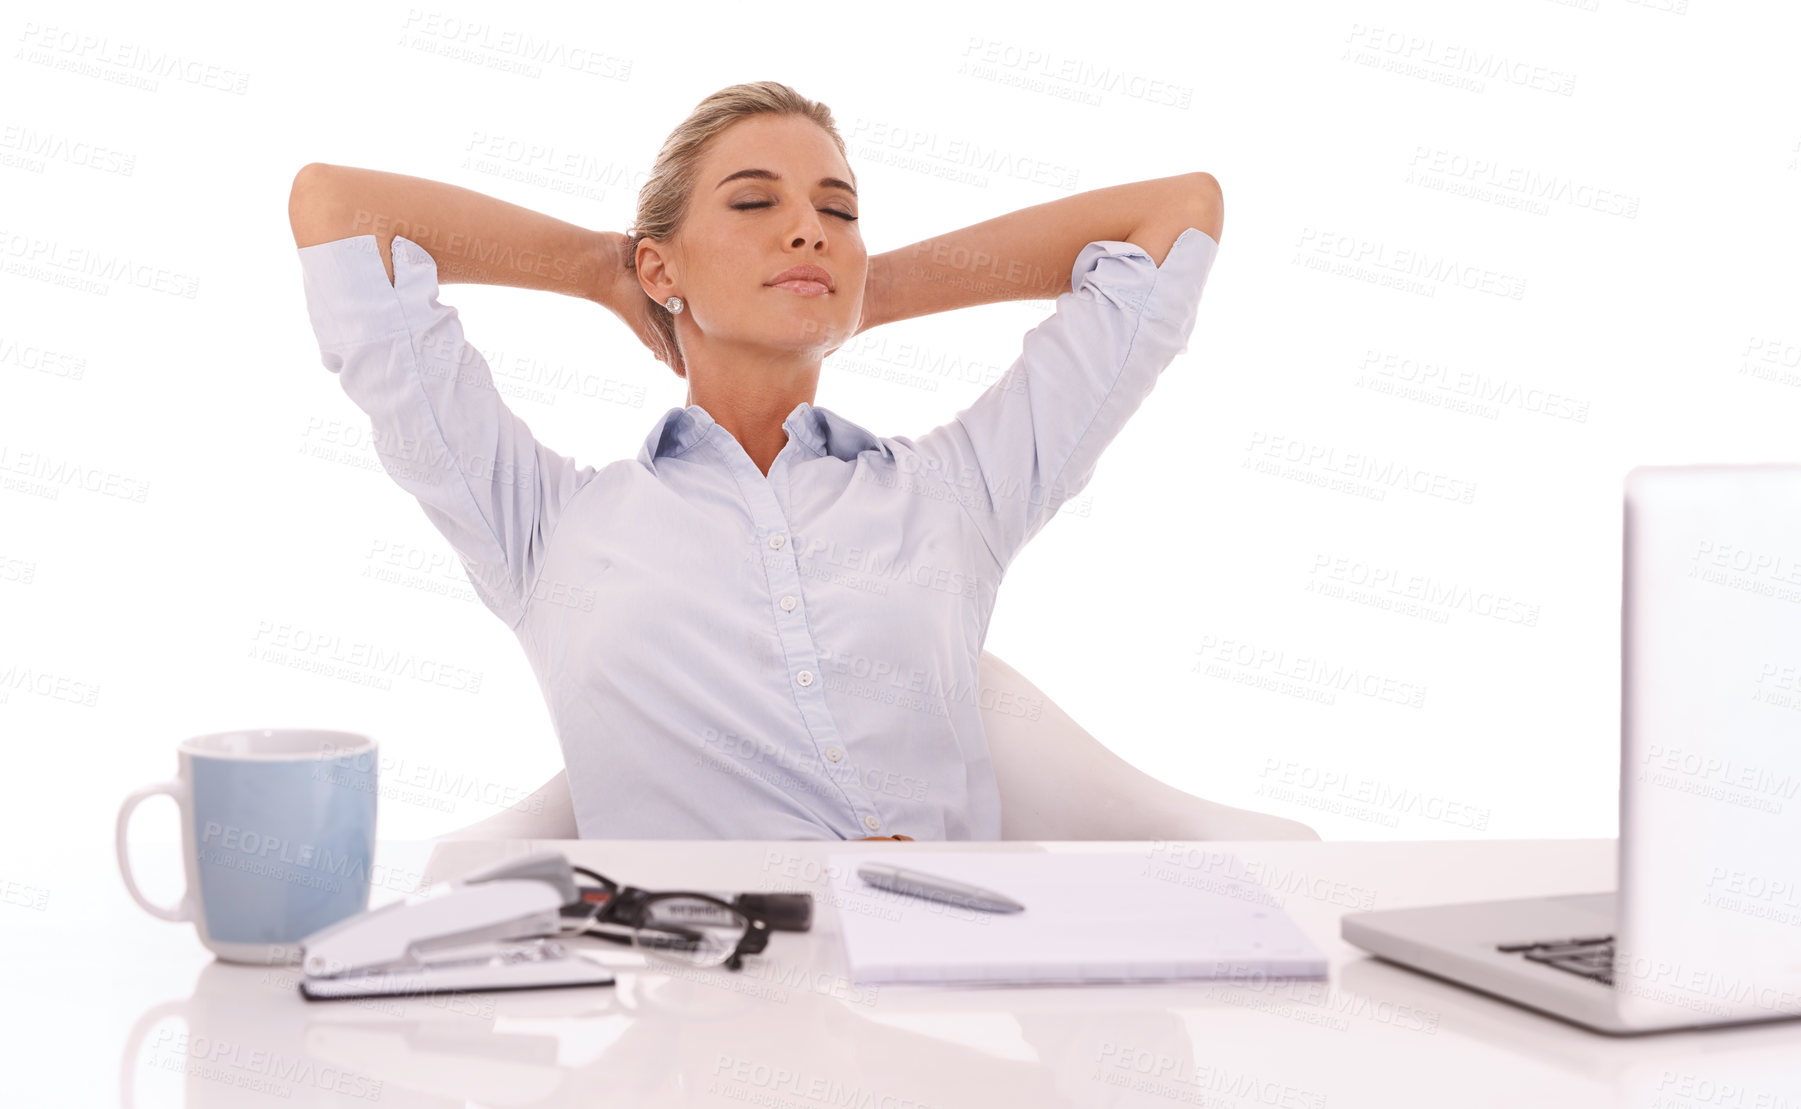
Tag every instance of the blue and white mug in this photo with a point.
(278, 836)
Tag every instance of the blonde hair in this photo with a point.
(664, 198)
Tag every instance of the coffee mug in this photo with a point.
(277, 834)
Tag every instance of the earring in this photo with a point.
(674, 304)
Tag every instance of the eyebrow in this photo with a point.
(766, 175)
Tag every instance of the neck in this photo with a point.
(749, 390)
(753, 419)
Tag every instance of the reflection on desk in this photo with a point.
(792, 1029)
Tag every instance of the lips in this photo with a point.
(803, 273)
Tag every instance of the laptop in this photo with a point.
(1704, 927)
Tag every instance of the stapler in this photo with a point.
(494, 930)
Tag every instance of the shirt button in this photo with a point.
(787, 604)
(833, 753)
(776, 541)
(871, 823)
(805, 677)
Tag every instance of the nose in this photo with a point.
(812, 230)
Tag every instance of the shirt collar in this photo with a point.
(821, 429)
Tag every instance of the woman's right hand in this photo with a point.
(628, 300)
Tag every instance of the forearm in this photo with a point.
(1027, 254)
(473, 238)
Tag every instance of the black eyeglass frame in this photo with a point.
(625, 907)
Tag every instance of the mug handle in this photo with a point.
(134, 1045)
(183, 910)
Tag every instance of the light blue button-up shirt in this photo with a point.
(729, 655)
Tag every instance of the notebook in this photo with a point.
(1089, 917)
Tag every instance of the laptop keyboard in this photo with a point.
(1588, 956)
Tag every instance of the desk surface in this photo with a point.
(125, 1009)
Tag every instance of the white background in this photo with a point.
(1391, 171)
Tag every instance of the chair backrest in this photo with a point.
(1057, 782)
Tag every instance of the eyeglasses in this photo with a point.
(694, 929)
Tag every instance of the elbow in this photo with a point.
(309, 179)
(1209, 212)
(309, 208)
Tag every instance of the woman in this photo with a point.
(768, 624)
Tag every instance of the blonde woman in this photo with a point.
(766, 625)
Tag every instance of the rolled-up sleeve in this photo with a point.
(440, 428)
(1031, 440)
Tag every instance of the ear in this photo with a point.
(653, 271)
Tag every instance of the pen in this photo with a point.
(932, 887)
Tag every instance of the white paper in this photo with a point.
(1089, 917)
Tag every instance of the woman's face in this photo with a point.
(741, 233)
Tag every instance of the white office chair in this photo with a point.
(1057, 782)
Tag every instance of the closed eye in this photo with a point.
(764, 204)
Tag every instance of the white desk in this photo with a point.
(110, 1002)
